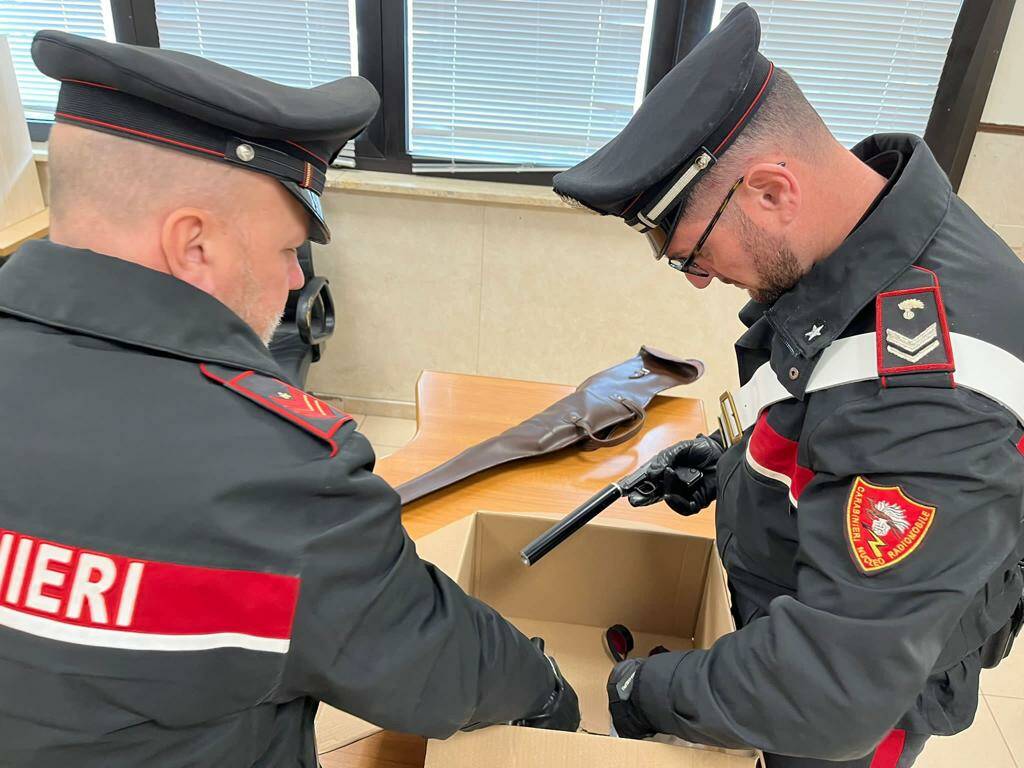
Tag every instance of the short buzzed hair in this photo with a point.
(101, 175)
(784, 123)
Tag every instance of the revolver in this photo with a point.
(638, 480)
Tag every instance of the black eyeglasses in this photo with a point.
(688, 265)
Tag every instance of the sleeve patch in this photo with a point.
(884, 525)
(290, 403)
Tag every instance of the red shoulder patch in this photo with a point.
(911, 329)
(291, 403)
(884, 525)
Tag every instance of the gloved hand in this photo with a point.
(671, 472)
(562, 710)
(627, 719)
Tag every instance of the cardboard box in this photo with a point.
(667, 587)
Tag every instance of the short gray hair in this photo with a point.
(95, 174)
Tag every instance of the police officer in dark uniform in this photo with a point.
(868, 473)
(193, 551)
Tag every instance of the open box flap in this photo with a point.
(607, 522)
(533, 748)
(715, 618)
(649, 578)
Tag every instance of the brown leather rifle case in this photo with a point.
(607, 409)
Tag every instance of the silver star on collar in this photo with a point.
(815, 332)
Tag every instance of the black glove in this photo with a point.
(627, 719)
(561, 711)
(671, 474)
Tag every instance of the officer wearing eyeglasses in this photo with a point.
(868, 472)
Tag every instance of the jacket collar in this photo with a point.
(819, 308)
(86, 292)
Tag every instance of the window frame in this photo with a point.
(965, 82)
(678, 26)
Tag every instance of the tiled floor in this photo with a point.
(996, 740)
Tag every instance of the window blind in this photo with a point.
(524, 84)
(867, 66)
(21, 19)
(302, 43)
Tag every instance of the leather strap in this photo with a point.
(594, 442)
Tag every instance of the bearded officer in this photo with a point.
(871, 490)
(193, 552)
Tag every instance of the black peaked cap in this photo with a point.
(698, 108)
(187, 103)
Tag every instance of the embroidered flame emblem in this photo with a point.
(909, 305)
(884, 525)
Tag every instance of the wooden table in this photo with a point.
(14, 236)
(455, 411)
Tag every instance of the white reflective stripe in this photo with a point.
(135, 641)
(771, 474)
(981, 367)
(640, 226)
(677, 189)
(991, 371)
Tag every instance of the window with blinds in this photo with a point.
(521, 84)
(867, 66)
(302, 43)
(21, 19)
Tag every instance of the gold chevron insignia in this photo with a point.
(912, 349)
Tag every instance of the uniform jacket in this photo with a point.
(871, 531)
(193, 552)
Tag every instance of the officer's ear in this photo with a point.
(185, 239)
(775, 192)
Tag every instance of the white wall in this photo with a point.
(520, 292)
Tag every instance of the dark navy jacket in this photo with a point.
(872, 530)
(193, 552)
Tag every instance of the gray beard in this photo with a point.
(268, 335)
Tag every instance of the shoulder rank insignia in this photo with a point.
(884, 525)
(300, 408)
(911, 328)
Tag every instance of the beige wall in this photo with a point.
(992, 181)
(1005, 104)
(532, 293)
(555, 295)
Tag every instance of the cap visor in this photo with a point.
(319, 232)
(660, 237)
